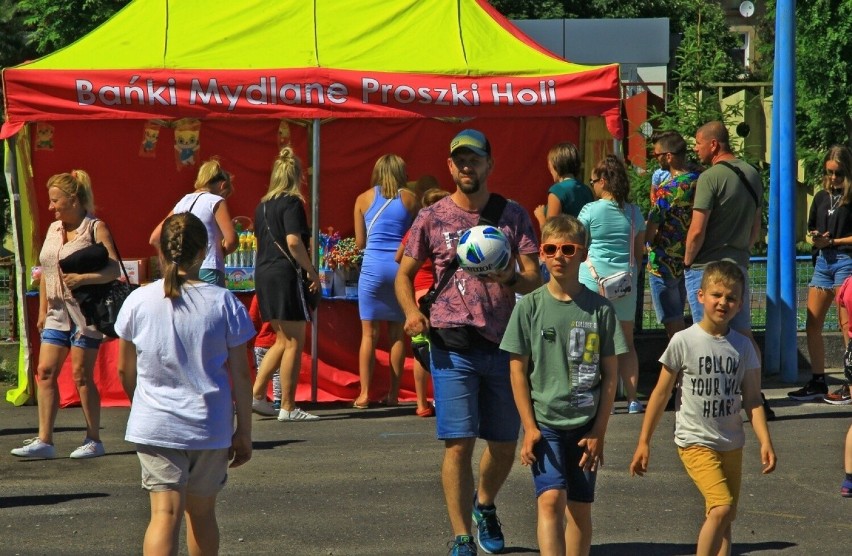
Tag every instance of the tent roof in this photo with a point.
(306, 58)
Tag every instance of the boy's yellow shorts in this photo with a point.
(717, 475)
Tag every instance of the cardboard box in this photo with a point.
(137, 270)
(239, 278)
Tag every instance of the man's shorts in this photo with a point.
(831, 269)
(557, 464)
(668, 295)
(473, 395)
(741, 321)
(717, 475)
(66, 338)
(201, 472)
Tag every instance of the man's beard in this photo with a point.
(468, 187)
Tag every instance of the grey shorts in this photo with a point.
(199, 472)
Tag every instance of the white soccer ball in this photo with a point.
(483, 250)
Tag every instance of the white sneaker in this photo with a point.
(35, 448)
(89, 449)
(263, 407)
(296, 415)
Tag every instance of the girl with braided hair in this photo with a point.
(182, 362)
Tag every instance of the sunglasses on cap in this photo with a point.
(567, 249)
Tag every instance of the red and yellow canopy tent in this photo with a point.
(165, 84)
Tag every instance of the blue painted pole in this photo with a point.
(785, 96)
(772, 342)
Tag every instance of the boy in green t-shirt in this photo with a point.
(563, 340)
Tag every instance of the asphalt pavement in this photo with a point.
(366, 482)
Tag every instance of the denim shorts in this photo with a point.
(668, 296)
(740, 322)
(66, 338)
(557, 465)
(831, 269)
(473, 395)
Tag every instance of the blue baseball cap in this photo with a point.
(473, 140)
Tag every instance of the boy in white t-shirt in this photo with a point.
(718, 373)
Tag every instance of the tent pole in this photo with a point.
(315, 161)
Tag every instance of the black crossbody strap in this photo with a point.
(114, 246)
(490, 215)
(743, 179)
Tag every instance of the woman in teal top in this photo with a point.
(566, 195)
(612, 224)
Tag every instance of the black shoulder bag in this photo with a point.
(100, 303)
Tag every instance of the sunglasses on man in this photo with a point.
(567, 249)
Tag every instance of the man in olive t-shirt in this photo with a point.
(726, 217)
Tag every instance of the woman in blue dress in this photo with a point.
(383, 214)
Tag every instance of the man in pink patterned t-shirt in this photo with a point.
(470, 374)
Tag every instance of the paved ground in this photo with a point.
(366, 482)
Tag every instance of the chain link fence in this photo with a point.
(8, 312)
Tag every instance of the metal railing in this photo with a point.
(757, 283)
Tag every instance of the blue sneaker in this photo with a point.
(276, 405)
(635, 407)
(489, 533)
(462, 546)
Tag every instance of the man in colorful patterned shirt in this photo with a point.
(665, 233)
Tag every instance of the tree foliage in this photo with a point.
(54, 23)
(676, 10)
(823, 74)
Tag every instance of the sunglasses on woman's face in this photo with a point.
(835, 174)
(567, 249)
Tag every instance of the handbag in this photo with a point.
(100, 303)
(310, 300)
(620, 284)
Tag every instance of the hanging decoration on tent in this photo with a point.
(44, 137)
(150, 135)
(187, 142)
(283, 134)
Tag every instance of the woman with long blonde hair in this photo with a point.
(281, 228)
(61, 322)
(208, 202)
(830, 230)
(383, 214)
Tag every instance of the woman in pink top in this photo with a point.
(61, 323)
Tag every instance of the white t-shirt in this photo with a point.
(183, 389)
(709, 398)
(204, 208)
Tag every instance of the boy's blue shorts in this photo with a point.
(557, 464)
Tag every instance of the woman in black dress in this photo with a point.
(281, 227)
